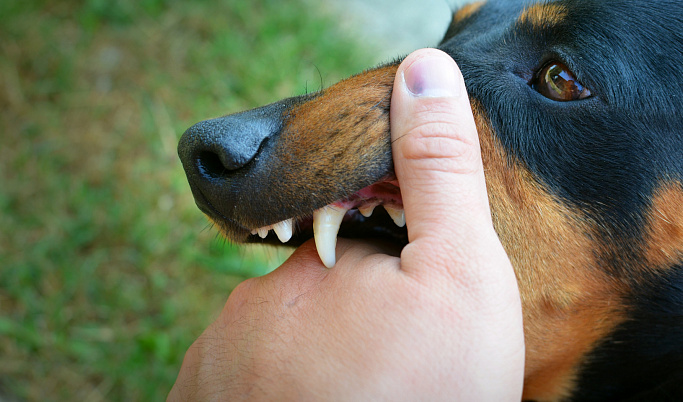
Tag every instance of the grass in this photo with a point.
(108, 271)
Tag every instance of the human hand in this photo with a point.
(442, 322)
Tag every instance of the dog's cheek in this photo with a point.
(569, 303)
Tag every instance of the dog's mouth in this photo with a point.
(375, 211)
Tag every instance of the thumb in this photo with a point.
(438, 161)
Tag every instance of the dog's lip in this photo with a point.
(385, 192)
(214, 215)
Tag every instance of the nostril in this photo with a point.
(210, 165)
(218, 148)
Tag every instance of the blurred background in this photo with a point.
(108, 271)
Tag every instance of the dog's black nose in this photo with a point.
(215, 148)
(221, 158)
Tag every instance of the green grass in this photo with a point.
(108, 271)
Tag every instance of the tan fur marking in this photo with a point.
(543, 15)
(467, 11)
(569, 303)
(330, 139)
(664, 233)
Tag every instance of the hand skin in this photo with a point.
(442, 322)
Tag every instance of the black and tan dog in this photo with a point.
(579, 107)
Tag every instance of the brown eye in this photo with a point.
(556, 82)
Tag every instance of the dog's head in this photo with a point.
(579, 108)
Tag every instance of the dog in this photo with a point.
(579, 109)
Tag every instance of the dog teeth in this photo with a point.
(283, 230)
(262, 232)
(326, 222)
(366, 210)
(397, 214)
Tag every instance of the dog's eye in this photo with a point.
(555, 81)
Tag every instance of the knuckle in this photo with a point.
(241, 297)
(243, 290)
(440, 146)
(438, 130)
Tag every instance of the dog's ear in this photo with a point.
(461, 17)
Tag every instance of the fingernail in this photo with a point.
(432, 77)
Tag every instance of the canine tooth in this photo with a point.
(397, 214)
(366, 210)
(283, 230)
(262, 232)
(326, 222)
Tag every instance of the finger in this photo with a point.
(437, 159)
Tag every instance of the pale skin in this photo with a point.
(439, 320)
